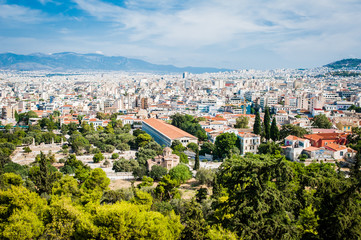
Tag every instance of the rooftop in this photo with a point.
(166, 129)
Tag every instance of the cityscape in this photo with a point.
(194, 120)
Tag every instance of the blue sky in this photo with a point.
(235, 34)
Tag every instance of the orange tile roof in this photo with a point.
(166, 129)
(311, 149)
(335, 147)
(291, 137)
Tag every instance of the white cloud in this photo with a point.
(19, 13)
(214, 32)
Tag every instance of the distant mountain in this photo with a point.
(346, 64)
(66, 61)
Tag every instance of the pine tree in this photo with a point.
(275, 133)
(266, 124)
(257, 124)
(196, 161)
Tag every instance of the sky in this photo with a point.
(233, 34)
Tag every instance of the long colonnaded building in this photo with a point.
(164, 134)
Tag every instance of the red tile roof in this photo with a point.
(166, 129)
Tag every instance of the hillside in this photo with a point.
(349, 64)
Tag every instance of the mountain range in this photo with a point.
(66, 61)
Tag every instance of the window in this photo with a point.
(341, 153)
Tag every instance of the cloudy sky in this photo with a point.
(235, 34)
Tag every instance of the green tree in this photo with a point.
(257, 124)
(321, 121)
(241, 122)
(269, 148)
(224, 144)
(124, 220)
(9, 179)
(177, 146)
(124, 165)
(275, 133)
(207, 148)
(253, 198)
(143, 139)
(115, 156)
(27, 149)
(180, 173)
(157, 172)
(201, 135)
(205, 176)
(44, 175)
(167, 189)
(201, 194)
(192, 146)
(266, 123)
(96, 179)
(98, 157)
(290, 129)
(196, 161)
(137, 132)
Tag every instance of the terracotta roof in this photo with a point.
(311, 149)
(335, 147)
(166, 129)
(291, 137)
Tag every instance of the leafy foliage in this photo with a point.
(321, 121)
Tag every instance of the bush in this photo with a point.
(115, 155)
(157, 172)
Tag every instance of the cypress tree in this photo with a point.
(266, 124)
(257, 124)
(196, 161)
(275, 133)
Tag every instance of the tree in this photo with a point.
(201, 194)
(115, 156)
(177, 146)
(266, 124)
(321, 121)
(180, 173)
(44, 175)
(124, 220)
(290, 129)
(224, 144)
(192, 146)
(196, 161)
(96, 179)
(257, 124)
(269, 148)
(98, 157)
(157, 172)
(207, 148)
(140, 172)
(27, 149)
(143, 139)
(137, 132)
(124, 165)
(8, 179)
(201, 135)
(241, 122)
(205, 176)
(167, 189)
(275, 133)
(254, 192)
